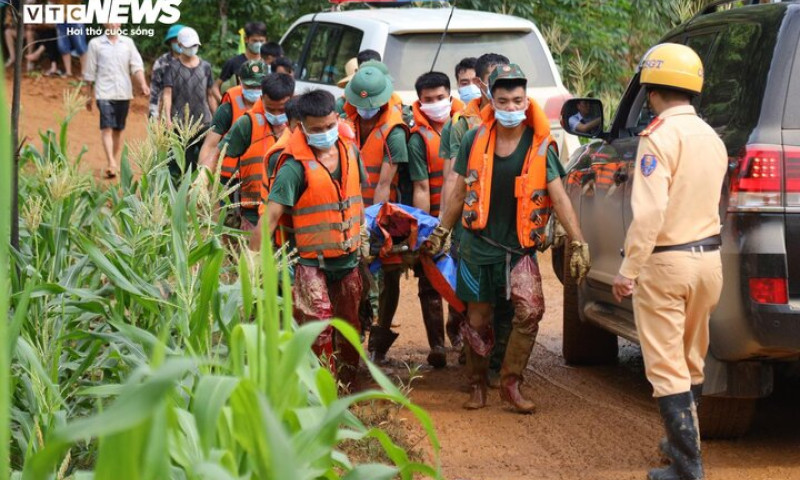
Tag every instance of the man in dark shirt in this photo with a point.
(255, 35)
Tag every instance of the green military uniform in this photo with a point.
(223, 119)
(289, 186)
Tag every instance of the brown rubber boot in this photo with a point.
(478, 346)
(516, 359)
(433, 317)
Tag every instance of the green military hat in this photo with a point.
(252, 72)
(371, 86)
(506, 72)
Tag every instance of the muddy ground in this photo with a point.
(594, 423)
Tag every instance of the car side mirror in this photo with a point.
(583, 117)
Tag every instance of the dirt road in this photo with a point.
(596, 423)
(592, 423)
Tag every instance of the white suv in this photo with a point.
(407, 39)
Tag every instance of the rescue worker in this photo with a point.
(509, 180)
(252, 136)
(454, 131)
(318, 184)
(235, 103)
(375, 112)
(426, 170)
(672, 261)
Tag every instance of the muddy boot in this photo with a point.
(478, 346)
(453, 328)
(517, 355)
(680, 421)
(494, 379)
(347, 362)
(663, 444)
(433, 316)
(380, 339)
(323, 348)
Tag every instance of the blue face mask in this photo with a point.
(324, 140)
(255, 47)
(469, 92)
(367, 113)
(509, 119)
(177, 48)
(251, 95)
(277, 119)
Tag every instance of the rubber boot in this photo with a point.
(433, 316)
(380, 339)
(453, 327)
(680, 421)
(478, 346)
(518, 352)
(348, 361)
(663, 444)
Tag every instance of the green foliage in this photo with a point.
(148, 349)
(5, 290)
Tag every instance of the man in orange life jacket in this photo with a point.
(252, 136)
(381, 136)
(509, 180)
(426, 170)
(318, 184)
(454, 131)
(235, 103)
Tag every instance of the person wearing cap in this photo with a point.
(672, 263)
(159, 66)
(188, 87)
(452, 135)
(350, 69)
(318, 187)
(110, 62)
(508, 184)
(235, 103)
(250, 139)
(380, 133)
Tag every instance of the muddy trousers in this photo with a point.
(429, 298)
(528, 302)
(675, 294)
(317, 298)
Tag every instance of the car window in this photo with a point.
(791, 115)
(701, 43)
(295, 41)
(419, 49)
(330, 48)
(731, 80)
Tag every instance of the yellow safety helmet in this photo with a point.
(673, 66)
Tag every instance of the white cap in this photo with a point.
(188, 37)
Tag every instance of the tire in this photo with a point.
(725, 418)
(583, 343)
(557, 256)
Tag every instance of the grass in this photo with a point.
(148, 347)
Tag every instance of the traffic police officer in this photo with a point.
(672, 262)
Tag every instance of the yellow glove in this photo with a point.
(580, 262)
(364, 247)
(437, 241)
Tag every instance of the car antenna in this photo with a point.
(444, 34)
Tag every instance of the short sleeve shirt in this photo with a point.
(223, 119)
(231, 67)
(238, 137)
(109, 65)
(190, 86)
(417, 158)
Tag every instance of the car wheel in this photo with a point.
(583, 343)
(557, 256)
(723, 418)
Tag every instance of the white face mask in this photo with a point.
(190, 51)
(437, 111)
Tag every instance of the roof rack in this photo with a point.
(715, 6)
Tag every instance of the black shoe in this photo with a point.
(380, 340)
(663, 444)
(680, 421)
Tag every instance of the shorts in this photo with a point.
(72, 43)
(113, 113)
(482, 283)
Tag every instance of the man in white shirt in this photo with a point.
(110, 62)
(584, 121)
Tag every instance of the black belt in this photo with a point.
(709, 244)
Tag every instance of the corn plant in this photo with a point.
(5, 286)
(145, 346)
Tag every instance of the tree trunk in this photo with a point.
(223, 15)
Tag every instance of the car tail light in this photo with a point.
(757, 182)
(553, 106)
(792, 172)
(768, 290)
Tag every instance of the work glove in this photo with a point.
(364, 248)
(580, 261)
(410, 259)
(437, 241)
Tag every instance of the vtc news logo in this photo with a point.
(105, 11)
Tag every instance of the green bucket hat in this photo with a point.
(370, 87)
(506, 72)
(252, 72)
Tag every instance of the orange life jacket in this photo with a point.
(471, 113)
(432, 139)
(372, 151)
(235, 97)
(327, 217)
(530, 187)
(251, 163)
